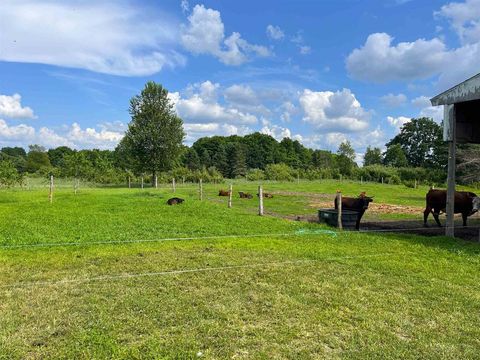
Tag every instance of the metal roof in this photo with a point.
(466, 91)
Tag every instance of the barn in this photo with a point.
(461, 124)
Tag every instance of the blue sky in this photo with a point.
(317, 71)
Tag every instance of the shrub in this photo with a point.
(279, 172)
(255, 175)
(9, 176)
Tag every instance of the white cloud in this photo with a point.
(464, 17)
(332, 111)
(392, 100)
(427, 110)
(276, 132)
(202, 107)
(305, 50)
(185, 6)
(275, 33)
(73, 136)
(204, 34)
(196, 131)
(241, 94)
(421, 102)
(10, 106)
(15, 133)
(379, 61)
(398, 122)
(107, 37)
(288, 110)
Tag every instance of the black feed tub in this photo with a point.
(330, 216)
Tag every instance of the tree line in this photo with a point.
(152, 148)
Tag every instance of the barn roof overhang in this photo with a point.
(468, 90)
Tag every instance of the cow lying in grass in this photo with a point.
(359, 204)
(175, 201)
(244, 195)
(223, 193)
(266, 195)
(466, 203)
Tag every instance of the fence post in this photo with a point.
(173, 184)
(75, 185)
(230, 192)
(142, 182)
(339, 210)
(415, 183)
(183, 180)
(200, 189)
(50, 195)
(156, 182)
(129, 183)
(382, 180)
(260, 200)
(361, 179)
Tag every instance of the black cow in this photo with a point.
(244, 195)
(466, 203)
(359, 204)
(175, 201)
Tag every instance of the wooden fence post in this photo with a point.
(361, 179)
(75, 185)
(129, 183)
(230, 193)
(339, 210)
(415, 183)
(142, 182)
(260, 200)
(382, 180)
(50, 195)
(183, 180)
(156, 182)
(200, 189)
(173, 185)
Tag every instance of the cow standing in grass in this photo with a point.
(359, 205)
(466, 203)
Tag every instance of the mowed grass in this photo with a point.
(306, 292)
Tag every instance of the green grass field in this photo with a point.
(89, 276)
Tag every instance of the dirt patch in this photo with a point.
(375, 208)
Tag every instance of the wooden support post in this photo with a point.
(173, 185)
(75, 185)
(156, 182)
(339, 210)
(50, 195)
(382, 180)
(452, 145)
(341, 177)
(260, 200)
(142, 182)
(415, 183)
(183, 180)
(450, 225)
(200, 189)
(230, 194)
(129, 183)
(361, 179)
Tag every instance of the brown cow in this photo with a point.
(359, 205)
(245, 195)
(223, 193)
(266, 195)
(174, 201)
(466, 203)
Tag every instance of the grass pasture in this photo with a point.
(90, 277)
